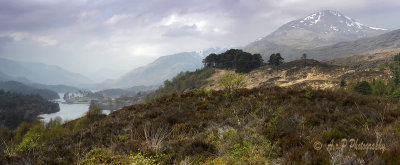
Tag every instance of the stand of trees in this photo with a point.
(275, 59)
(17, 108)
(240, 61)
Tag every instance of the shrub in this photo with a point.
(250, 152)
(332, 135)
(30, 142)
(363, 87)
(80, 124)
(95, 113)
(105, 156)
(231, 81)
(98, 156)
(140, 158)
(379, 87)
(219, 161)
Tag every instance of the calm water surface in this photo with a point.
(67, 111)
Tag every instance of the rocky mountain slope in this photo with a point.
(385, 42)
(371, 60)
(315, 30)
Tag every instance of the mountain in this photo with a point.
(17, 87)
(55, 88)
(41, 73)
(163, 68)
(364, 60)
(5, 77)
(384, 42)
(322, 28)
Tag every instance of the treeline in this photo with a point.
(128, 91)
(235, 59)
(17, 108)
(183, 81)
(17, 87)
(55, 88)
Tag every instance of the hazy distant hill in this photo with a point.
(41, 73)
(164, 68)
(17, 87)
(315, 30)
(5, 77)
(56, 88)
(387, 41)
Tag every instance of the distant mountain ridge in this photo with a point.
(319, 29)
(41, 73)
(55, 88)
(163, 68)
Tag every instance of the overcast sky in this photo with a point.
(90, 36)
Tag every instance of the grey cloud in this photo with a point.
(29, 16)
(182, 31)
(121, 31)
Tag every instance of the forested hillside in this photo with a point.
(17, 87)
(17, 108)
(183, 81)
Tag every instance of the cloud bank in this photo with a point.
(91, 36)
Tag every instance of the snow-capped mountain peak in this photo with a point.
(206, 52)
(318, 29)
(329, 21)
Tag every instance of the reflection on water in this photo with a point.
(68, 111)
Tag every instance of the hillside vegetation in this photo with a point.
(183, 81)
(209, 117)
(318, 75)
(274, 125)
